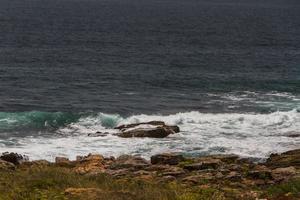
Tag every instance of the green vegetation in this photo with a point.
(50, 182)
(289, 190)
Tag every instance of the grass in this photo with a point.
(288, 190)
(50, 182)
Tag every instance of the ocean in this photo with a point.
(227, 72)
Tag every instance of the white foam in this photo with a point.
(245, 134)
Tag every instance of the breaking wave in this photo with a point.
(246, 134)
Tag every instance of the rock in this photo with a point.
(154, 123)
(4, 165)
(14, 158)
(208, 164)
(64, 162)
(155, 132)
(289, 158)
(154, 129)
(166, 158)
(173, 171)
(127, 161)
(234, 176)
(98, 134)
(292, 134)
(280, 174)
(61, 160)
(260, 172)
(198, 179)
(91, 164)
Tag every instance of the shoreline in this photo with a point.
(220, 176)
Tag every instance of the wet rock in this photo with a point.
(280, 174)
(289, 158)
(166, 159)
(98, 134)
(292, 134)
(4, 165)
(127, 161)
(14, 158)
(153, 132)
(207, 164)
(154, 129)
(154, 123)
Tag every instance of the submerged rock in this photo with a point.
(14, 158)
(98, 134)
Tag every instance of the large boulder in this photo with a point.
(167, 159)
(289, 158)
(154, 129)
(14, 158)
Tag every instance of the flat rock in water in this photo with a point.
(153, 129)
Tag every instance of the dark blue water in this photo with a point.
(227, 72)
(149, 56)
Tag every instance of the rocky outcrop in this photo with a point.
(154, 129)
(90, 164)
(14, 158)
(167, 158)
(286, 159)
(127, 161)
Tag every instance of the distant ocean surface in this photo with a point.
(227, 72)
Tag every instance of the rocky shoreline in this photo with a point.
(205, 177)
(233, 176)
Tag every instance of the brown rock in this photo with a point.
(260, 172)
(4, 165)
(93, 163)
(127, 161)
(173, 171)
(280, 174)
(234, 176)
(167, 158)
(289, 158)
(208, 164)
(196, 179)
